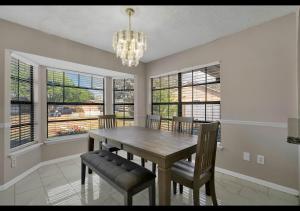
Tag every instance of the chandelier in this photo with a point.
(129, 45)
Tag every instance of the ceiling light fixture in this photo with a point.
(129, 45)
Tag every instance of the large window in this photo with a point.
(22, 104)
(191, 94)
(165, 102)
(75, 100)
(124, 101)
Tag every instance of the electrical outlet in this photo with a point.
(246, 156)
(260, 159)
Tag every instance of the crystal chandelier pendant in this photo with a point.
(129, 45)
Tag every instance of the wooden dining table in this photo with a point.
(161, 147)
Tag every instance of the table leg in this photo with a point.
(164, 185)
(91, 144)
(90, 148)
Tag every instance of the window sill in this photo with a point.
(63, 139)
(24, 150)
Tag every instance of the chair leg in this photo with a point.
(143, 162)
(83, 169)
(152, 194)
(154, 168)
(174, 187)
(207, 188)
(180, 188)
(196, 197)
(129, 156)
(213, 192)
(127, 199)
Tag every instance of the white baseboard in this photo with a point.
(259, 181)
(34, 168)
(20, 177)
(221, 170)
(57, 160)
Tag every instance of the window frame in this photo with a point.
(63, 103)
(124, 119)
(18, 102)
(178, 103)
(192, 85)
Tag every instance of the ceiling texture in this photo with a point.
(169, 29)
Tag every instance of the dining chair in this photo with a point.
(202, 171)
(183, 125)
(153, 122)
(109, 121)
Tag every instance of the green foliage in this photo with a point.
(71, 94)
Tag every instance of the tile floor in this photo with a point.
(59, 184)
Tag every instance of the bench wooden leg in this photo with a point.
(152, 194)
(83, 169)
(127, 199)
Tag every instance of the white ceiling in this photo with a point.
(170, 29)
(65, 65)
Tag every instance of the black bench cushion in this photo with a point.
(121, 171)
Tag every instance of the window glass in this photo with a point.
(75, 101)
(124, 101)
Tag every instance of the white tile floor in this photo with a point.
(59, 184)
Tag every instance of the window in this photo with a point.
(22, 104)
(124, 101)
(75, 100)
(165, 99)
(191, 94)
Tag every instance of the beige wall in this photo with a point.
(24, 39)
(258, 84)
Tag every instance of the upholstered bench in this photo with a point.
(127, 177)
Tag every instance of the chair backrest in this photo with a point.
(107, 121)
(206, 148)
(153, 121)
(182, 124)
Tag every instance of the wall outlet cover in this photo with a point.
(260, 159)
(246, 156)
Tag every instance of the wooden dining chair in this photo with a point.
(202, 172)
(153, 122)
(109, 121)
(183, 125)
